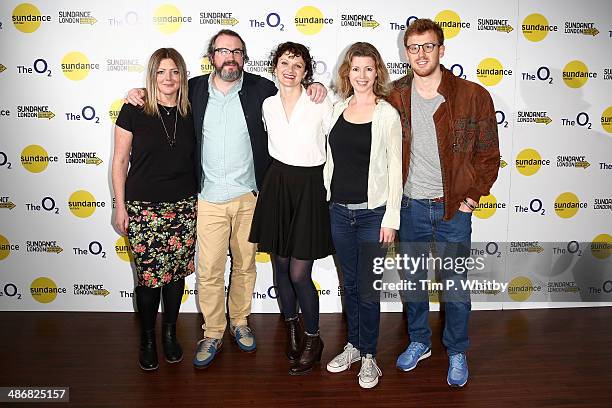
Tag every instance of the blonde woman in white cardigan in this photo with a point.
(363, 179)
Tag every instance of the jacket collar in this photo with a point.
(445, 88)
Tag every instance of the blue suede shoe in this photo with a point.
(457, 370)
(206, 351)
(244, 338)
(414, 353)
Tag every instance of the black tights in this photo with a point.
(147, 300)
(294, 283)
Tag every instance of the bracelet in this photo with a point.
(470, 206)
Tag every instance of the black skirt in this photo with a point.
(292, 216)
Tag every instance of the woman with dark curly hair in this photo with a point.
(291, 220)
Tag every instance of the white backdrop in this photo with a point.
(551, 88)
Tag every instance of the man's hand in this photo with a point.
(136, 96)
(316, 91)
(464, 208)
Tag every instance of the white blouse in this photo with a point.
(299, 141)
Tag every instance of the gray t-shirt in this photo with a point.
(424, 175)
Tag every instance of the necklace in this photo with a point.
(167, 110)
(171, 141)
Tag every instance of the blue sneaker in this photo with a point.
(457, 370)
(414, 353)
(206, 351)
(244, 338)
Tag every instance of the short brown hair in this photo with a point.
(363, 49)
(423, 25)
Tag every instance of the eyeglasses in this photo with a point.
(226, 52)
(427, 47)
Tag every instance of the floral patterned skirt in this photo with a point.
(162, 237)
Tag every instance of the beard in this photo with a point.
(426, 70)
(229, 76)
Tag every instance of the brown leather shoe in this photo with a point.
(294, 340)
(311, 354)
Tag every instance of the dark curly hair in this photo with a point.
(297, 50)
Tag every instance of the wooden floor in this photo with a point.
(529, 358)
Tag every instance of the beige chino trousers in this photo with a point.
(219, 225)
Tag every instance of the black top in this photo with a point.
(255, 89)
(350, 145)
(159, 172)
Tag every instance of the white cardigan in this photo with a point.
(385, 170)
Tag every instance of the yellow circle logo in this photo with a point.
(26, 18)
(606, 119)
(450, 23)
(317, 286)
(167, 19)
(528, 162)
(5, 247)
(601, 247)
(82, 203)
(75, 66)
(185, 294)
(567, 205)
(115, 108)
(206, 66)
(34, 158)
(575, 74)
(486, 207)
(535, 27)
(262, 257)
(43, 290)
(490, 72)
(124, 249)
(309, 20)
(520, 289)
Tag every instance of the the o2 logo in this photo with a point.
(583, 119)
(457, 70)
(272, 292)
(10, 290)
(41, 67)
(4, 162)
(573, 247)
(95, 248)
(89, 113)
(273, 20)
(410, 19)
(492, 248)
(48, 204)
(543, 74)
(536, 206)
(501, 118)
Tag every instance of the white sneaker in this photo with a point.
(344, 360)
(369, 373)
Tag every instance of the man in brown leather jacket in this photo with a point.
(450, 159)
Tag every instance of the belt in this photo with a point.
(359, 206)
(437, 200)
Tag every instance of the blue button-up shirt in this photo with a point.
(227, 157)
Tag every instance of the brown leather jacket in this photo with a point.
(466, 129)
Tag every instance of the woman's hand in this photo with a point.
(387, 235)
(121, 220)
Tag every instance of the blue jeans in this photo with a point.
(351, 229)
(422, 228)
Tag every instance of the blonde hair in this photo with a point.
(182, 101)
(363, 49)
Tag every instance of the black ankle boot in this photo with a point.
(294, 340)
(172, 349)
(148, 351)
(311, 354)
